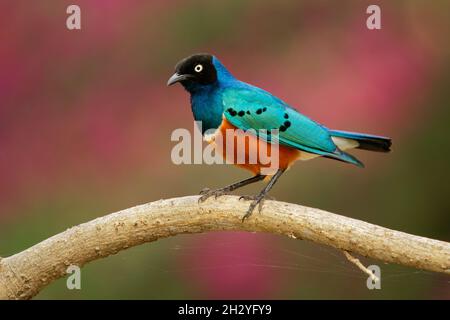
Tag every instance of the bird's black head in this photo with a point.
(195, 69)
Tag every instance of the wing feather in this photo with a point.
(254, 108)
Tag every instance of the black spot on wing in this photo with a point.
(232, 112)
(286, 116)
(241, 113)
(259, 111)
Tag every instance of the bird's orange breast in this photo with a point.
(247, 148)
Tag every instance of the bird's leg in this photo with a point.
(259, 199)
(207, 193)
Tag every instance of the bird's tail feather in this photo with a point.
(365, 141)
(345, 157)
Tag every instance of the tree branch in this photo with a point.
(24, 274)
(361, 267)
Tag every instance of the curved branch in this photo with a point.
(24, 274)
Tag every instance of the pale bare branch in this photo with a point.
(24, 274)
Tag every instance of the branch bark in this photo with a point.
(24, 274)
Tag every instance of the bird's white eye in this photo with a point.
(198, 68)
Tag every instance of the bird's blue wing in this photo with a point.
(253, 108)
(257, 109)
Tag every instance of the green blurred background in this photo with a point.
(86, 118)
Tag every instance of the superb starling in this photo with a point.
(222, 102)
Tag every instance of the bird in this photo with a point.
(220, 102)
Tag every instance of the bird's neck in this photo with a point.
(223, 75)
(206, 100)
(207, 106)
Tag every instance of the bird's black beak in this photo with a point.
(177, 78)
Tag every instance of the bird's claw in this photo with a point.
(257, 201)
(254, 197)
(208, 193)
(205, 191)
(247, 197)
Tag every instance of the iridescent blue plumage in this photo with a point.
(220, 101)
(249, 107)
(206, 99)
